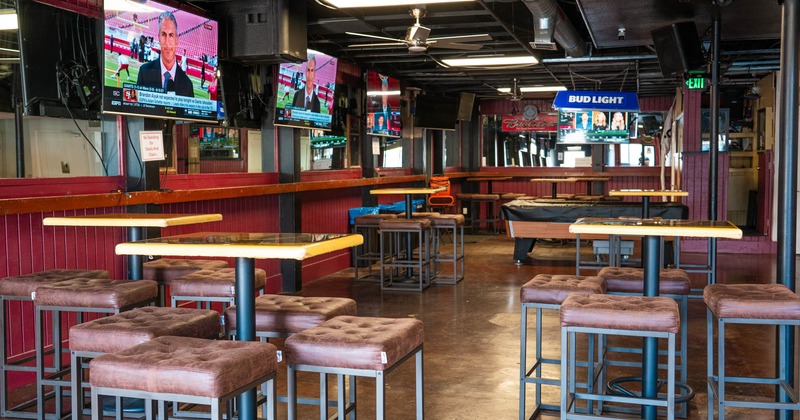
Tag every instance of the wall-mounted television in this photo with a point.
(160, 61)
(304, 96)
(436, 112)
(383, 105)
(60, 61)
(595, 126)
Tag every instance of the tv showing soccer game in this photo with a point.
(304, 97)
(160, 61)
(595, 126)
(383, 105)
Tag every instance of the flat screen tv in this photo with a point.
(595, 126)
(383, 105)
(436, 112)
(60, 61)
(304, 96)
(160, 61)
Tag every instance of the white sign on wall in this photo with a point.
(152, 145)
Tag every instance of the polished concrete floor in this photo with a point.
(471, 350)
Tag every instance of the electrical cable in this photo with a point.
(136, 154)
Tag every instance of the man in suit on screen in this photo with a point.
(307, 98)
(165, 73)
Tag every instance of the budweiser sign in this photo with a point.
(517, 123)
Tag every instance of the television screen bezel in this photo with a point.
(567, 127)
(285, 89)
(374, 84)
(114, 97)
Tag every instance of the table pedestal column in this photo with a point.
(246, 324)
(135, 262)
(650, 258)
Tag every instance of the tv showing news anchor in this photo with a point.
(160, 61)
(305, 92)
(383, 105)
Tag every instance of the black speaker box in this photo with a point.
(466, 101)
(678, 48)
(265, 31)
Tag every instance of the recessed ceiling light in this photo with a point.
(521, 60)
(383, 93)
(528, 89)
(344, 4)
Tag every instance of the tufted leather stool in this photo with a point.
(452, 224)
(20, 288)
(368, 253)
(164, 270)
(187, 370)
(755, 304)
(547, 291)
(81, 295)
(673, 283)
(127, 329)
(355, 346)
(638, 316)
(398, 260)
(217, 285)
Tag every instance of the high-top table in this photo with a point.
(645, 195)
(652, 229)
(489, 180)
(245, 248)
(590, 180)
(555, 182)
(135, 224)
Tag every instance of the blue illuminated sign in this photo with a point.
(604, 101)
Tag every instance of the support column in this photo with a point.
(288, 204)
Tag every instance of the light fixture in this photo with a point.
(344, 4)
(129, 6)
(528, 89)
(8, 20)
(383, 93)
(496, 60)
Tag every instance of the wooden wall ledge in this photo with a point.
(117, 199)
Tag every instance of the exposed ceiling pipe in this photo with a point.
(597, 58)
(550, 23)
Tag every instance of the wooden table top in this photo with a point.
(648, 193)
(420, 190)
(591, 178)
(132, 220)
(657, 227)
(295, 246)
(553, 180)
(490, 178)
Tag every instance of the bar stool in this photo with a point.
(673, 283)
(164, 270)
(396, 256)
(355, 346)
(754, 304)
(186, 370)
(119, 332)
(81, 295)
(21, 288)
(492, 215)
(547, 291)
(280, 316)
(452, 224)
(637, 316)
(369, 253)
(206, 286)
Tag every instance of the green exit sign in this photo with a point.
(696, 82)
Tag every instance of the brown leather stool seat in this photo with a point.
(447, 220)
(546, 291)
(636, 316)
(359, 346)
(21, 288)
(165, 270)
(672, 281)
(127, 329)
(186, 369)
(759, 306)
(82, 295)
(368, 253)
(283, 315)
(218, 285)
(420, 215)
(410, 260)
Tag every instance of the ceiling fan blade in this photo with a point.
(463, 38)
(454, 45)
(379, 44)
(385, 38)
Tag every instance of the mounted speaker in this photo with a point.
(466, 102)
(264, 31)
(678, 48)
